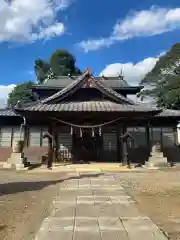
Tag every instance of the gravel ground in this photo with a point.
(25, 200)
(158, 196)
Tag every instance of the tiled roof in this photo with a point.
(65, 90)
(90, 106)
(7, 112)
(169, 113)
(64, 81)
(82, 80)
(112, 92)
(105, 106)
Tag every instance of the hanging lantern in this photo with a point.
(81, 133)
(71, 130)
(100, 131)
(92, 132)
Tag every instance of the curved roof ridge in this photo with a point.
(111, 91)
(79, 82)
(66, 89)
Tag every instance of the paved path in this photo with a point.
(96, 208)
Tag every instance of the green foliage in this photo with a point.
(21, 92)
(63, 63)
(168, 96)
(163, 82)
(167, 61)
(41, 69)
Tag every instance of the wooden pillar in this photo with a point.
(119, 145)
(55, 133)
(161, 139)
(148, 139)
(175, 136)
(26, 134)
(123, 144)
(12, 136)
(50, 148)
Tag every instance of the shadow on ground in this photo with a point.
(16, 187)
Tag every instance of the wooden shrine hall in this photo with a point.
(83, 119)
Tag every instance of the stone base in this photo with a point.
(157, 161)
(19, 167)
(157, 154)
(8, 166)
(15, 158)
(13, 166)
(150, 168)
(15, 161)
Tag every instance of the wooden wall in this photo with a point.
(36, 145)
(34, 138)
(164, 135)
(110, 146)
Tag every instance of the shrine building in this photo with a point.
(86, 116)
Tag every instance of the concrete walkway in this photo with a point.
(96, 207)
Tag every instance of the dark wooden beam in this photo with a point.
(119, 146)
(124, 145)
(50, 148)
(26, 136)
(148, 142)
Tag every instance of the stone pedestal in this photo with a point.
(156, 158)
(16, 160)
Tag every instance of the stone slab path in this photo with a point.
(96, 207)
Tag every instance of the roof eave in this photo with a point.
(50, 87)
(149, 112)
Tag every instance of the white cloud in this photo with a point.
(138, 24)
(133, 73)
(4, 91)
(29, 20)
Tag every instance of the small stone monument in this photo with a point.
(16, 159)
(157, 158)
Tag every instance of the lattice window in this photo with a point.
(139, 135)
(168, 137)
(156, 135)
(5, 136)
(110, 141)
(65, 144)
(16, 134)
(34, 136)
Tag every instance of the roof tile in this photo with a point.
(64, 81)
(7, 112)
(59, 96)
(170, 113)
(88, 106)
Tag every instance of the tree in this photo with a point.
(41, 69)
(63, 63)
(21, 92)
(163, 82)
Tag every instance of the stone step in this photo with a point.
(15, 158)
(157, 159)
(160, 154)
(157, 164)
(13, 166)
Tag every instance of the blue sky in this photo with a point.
(103, 35)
